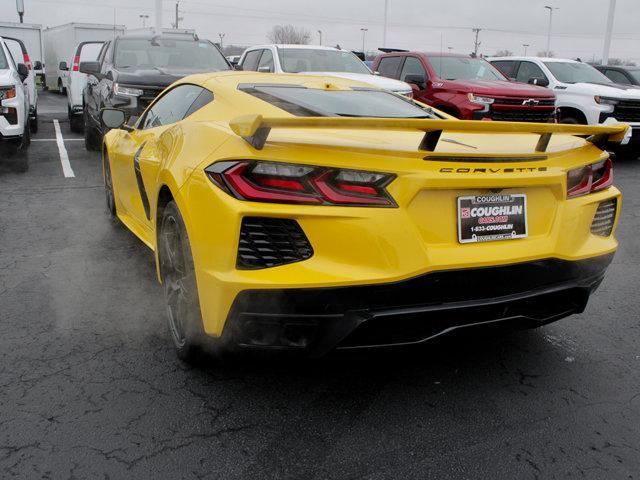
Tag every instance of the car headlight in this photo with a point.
(480, 100)
(605, 100)
(126, 91)
(7, 93)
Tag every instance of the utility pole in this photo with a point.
(386, 22)
(221, 35)
(364, 32)
(178, 17)
(144, 20)
(551, 9)
(158, 17)
(525, 45)
(20, 8)
(320, 33)
(476, 43)
(609, 32)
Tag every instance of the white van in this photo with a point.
(76, 81)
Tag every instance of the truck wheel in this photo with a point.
(61, 89)
(91, 140)
(76, 122)
(33, 123)
(22, 154)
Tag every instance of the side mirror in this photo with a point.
(90, 68)
(264, 69)
(541, 82)
(113, 118)
(23, 71)
(238, 67)
(419, 80)
(37, 65)
(63, 66)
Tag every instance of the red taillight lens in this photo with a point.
(27, 61)
(76, 63)
(589, 179)
(304, 184)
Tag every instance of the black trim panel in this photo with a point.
(140, 182)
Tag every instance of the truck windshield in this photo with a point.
(309, 102)
(463, 68)
(574, 72)
(199, 55)
(635, 73)
(296, 60)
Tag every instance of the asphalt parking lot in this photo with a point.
(90, 386)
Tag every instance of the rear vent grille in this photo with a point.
(605, 215)
(268, 242)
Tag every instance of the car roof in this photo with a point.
(541, 59)
(284, 45)
(425, 54)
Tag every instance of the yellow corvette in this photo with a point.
(309, 213)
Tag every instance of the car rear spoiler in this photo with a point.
(255, 129)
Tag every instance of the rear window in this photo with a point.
(463, 68)
(90, 51)
(306, 102)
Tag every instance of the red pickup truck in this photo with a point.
(467, 88)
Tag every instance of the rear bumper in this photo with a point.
(413, 311)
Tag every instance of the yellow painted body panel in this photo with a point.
(352, 245)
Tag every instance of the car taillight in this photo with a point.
(261, 181)
(76, 63)
(590, 178)
(27, 61)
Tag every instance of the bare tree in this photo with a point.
(289, 34)
(504, 53)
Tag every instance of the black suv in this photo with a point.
(132, 70)
(623, 75)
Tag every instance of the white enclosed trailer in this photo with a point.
(31, 36)
(60, 43)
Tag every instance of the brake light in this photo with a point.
(27, 61)
(589, 179)
(76, 63)
(261, 181)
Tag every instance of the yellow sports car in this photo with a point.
(309, 213)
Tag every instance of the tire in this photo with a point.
(33, 123)
(91, 139)
(108, 187)
(76, 122)
(179, 283)
(570, 120)
(21, 160)
(61, 89)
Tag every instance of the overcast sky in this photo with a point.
(578, 26)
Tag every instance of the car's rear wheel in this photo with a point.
(108, 187)
(91, 139)
(76, 122)
(178, 279)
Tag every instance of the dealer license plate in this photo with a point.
(486, 218)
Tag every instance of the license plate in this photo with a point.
(487, 218)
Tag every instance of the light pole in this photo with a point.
(320, 33)
(386, 22)
(525, 45)
(221, 35)
(20, 9)
(607, 35)
(144, 20)
(551, 9)
(364, 32)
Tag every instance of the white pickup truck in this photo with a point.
(584, 95)
(317, 60)
(15, 135)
